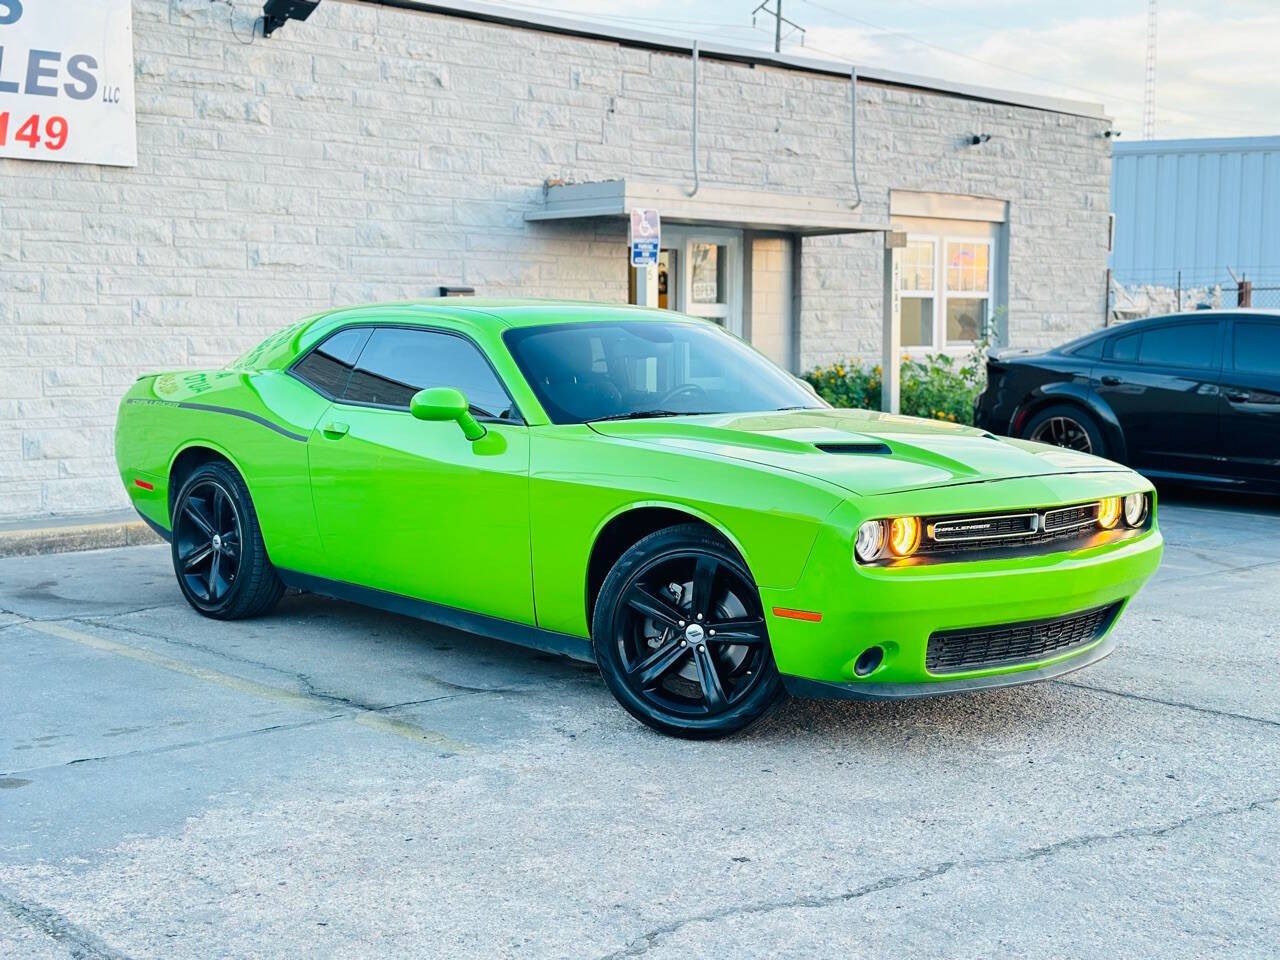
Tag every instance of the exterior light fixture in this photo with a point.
(977, 138)
(276, 13)
(457, 291)
(1110, 134)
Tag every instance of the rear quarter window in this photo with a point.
(328, 366)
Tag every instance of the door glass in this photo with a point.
(666, 278)
(1181, 345)
(1125, 349)
(707, 285)
(398, 362)
(1257, 347)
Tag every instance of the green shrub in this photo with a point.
(936, 387)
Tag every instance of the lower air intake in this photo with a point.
(979, 648)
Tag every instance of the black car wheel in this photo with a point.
(1065, 426)
(680, 636)
(218, 553)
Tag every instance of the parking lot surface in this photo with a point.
(333, 781)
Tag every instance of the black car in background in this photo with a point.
(1192, 397)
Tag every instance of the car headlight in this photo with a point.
(904, 536)
(877, 539)
(1109, 509)
(869, 543)
(1135, 509)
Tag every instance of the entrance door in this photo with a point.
(415, 507)
(700, 272)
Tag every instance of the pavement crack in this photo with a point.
(1209, 711)
(81, 944)
(184, 745)
(644, 942)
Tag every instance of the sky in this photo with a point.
(1217, 63)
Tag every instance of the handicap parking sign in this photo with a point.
(646, 234)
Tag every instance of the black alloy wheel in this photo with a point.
(209, 535)
(680, 636)
(218, 555)
(1066, 426)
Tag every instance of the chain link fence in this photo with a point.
(1151, 293)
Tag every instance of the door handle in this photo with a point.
(1111, 381)
(1236, 396)
(335, 430)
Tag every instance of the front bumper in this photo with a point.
(875, 690)
(898, 608)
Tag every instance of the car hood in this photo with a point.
(863, 451)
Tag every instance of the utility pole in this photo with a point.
(776, 12)
(1149, 88)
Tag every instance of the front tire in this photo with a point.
(218, 555)
(680, 636)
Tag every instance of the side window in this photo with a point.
(329, 365)
(1125, 349)
(1090, 351)
(398, 362)
(1181, 345)
(1257, 347)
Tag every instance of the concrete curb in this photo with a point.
(66, 537)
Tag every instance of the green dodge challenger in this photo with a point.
(635, 488)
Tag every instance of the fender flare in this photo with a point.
(1073, 393)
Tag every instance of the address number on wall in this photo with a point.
(52, 135)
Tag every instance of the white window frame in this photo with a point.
(936, 242)
(940, 294)
(940, 325)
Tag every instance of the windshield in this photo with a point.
(615, 370)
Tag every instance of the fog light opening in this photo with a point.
(868, 661)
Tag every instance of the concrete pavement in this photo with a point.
(333, 781)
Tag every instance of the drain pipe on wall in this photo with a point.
(853, 134)
(696, 182)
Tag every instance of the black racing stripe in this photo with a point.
(208, 408)
(248, 416)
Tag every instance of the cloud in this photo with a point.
(1215, 73)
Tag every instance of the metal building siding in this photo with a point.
(1199, 206)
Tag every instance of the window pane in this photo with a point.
(917, 321)
(968, 265)
(966, 318)
(1126, 348)
(328, 366)
(917, 266)
(1257, 347)
(1181, 345)
(707, 285)
(399, 362)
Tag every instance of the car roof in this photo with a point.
(505, 313)
(1141, 323)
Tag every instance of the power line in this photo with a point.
(1000, 66)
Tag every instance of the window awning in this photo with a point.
(710, 206)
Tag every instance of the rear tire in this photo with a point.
(1067, 426)
(680, 636)
(218, 555)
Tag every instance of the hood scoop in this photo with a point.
(872, 447)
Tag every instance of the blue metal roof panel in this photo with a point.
(1196, 206)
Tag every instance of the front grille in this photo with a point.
(1060, 526)
(977, 648)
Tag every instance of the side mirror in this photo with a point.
(446, 403)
